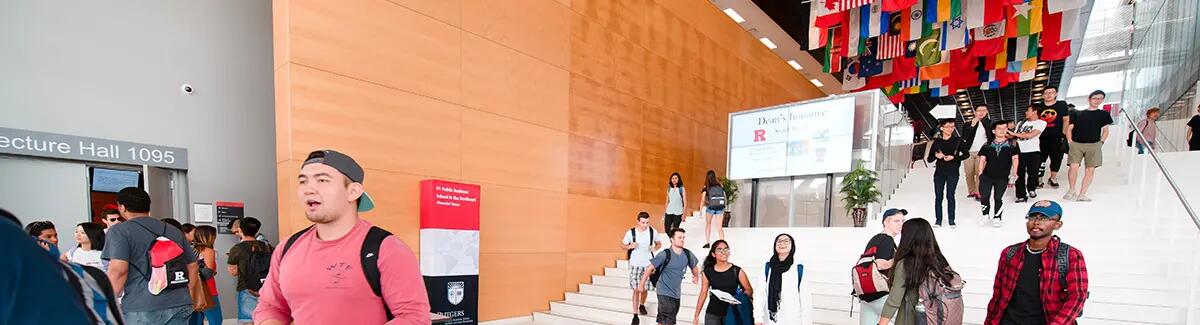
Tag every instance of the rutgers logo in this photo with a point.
(760, 135)
(455, 292)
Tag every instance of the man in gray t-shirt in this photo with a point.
(127, 248)
(670, 282)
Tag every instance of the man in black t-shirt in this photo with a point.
(997, 160)
(1086, 132)
(1193, 139)
(884, 246)
(1052, 139)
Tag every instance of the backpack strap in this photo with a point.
(1061, 257)
(292, 240)
(1010, 252)
(369, 257)
(633, 234)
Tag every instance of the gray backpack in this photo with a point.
(714, 198)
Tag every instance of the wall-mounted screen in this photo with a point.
(807, 138)
(113, 180)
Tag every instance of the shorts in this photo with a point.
(246, 303)
(1088, 153)
(668, 309)
(714, 212)
(635, 275)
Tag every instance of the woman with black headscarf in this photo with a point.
(783, 297)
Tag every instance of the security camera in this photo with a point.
(187, 89)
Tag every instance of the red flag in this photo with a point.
(1012, 2)
(987, 47)
(993, 11)
(1054, 51)
(904, 68)
(825, 17)
(895, 5)
(961, 60)
(1051, 26)
(897, 98)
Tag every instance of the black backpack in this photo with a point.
(257, 265)
(633, 234)
(714, 198)
(368, 256)
(667, 261)
(177, 272)
(1061, 262)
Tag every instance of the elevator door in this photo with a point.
(41, 189)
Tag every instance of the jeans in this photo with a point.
(1027, 173)
(213, 315)
(1142, 147)
(988, 187)
(170, 316)
(943, 188)
(871, 311)
(246, 304)
(971, 167)
(671, 221)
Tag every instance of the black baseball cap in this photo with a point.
(347, 166)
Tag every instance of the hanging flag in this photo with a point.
(988, 39)
(1027, 75)
(1055, 6)
(937, 89)
(1069, 27)
(903, 68)
(897, 5)
(870, 65)
(832, 58)
(929, 52)
(843, 5)
(973, 13)
(855, 33)
(937, 71)
(851, 80)
(890, 46)
(826, 17)
(874, 19)
(815, 33)
(1054, 51)
(1026, 19)
(954, 34)
(1022, 48)
(1023, 65)
(955, 8)
(984, 73)
(916, 23)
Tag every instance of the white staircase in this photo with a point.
(1137, 270)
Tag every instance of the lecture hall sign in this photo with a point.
(52, 145)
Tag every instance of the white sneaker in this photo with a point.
(953, 226)
(1069, 197)
(996, 223)
(937, 225)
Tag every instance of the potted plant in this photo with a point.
(731, 195)
(859, 190)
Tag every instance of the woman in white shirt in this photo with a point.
(90, 237)
(675, 206)
(783, 296)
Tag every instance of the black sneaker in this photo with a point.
(1052, 183)
(642, 310)
(636, 320)
(705, 246)
(1033, 194)
(1022, 200)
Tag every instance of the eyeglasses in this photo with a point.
(722, 250)
(1039, 218)
(783, 241)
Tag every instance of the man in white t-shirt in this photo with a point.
(641, 242)
(1028, 133)
(979, 131)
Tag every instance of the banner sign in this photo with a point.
(450, 249)
(52, 145)
(226, 213)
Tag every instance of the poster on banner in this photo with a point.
(450, 249)
(806, 138)
(226, 213)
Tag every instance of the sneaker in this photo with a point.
(987, 214)
(705, 246)
(999, 213)
(953, 226)
(996, 223)
(1070, 196)
(937, 225)
(1052, 183)
(1022, 200)
(636, 320)
(1033, 194)
(642, 310)
(1083, 198)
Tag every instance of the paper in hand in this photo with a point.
(725, 296)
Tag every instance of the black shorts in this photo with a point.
(668, 309)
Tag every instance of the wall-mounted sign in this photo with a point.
(53, 145)
(226, 213)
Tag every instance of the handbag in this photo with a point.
(201, 299)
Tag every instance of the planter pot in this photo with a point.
(860, 217)
(725, 221)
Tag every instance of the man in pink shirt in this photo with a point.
(318, 276)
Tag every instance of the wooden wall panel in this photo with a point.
(570, 114)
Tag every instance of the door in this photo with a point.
(41, 189)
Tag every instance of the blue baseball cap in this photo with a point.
(1046, 208)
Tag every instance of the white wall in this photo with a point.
(114, 69)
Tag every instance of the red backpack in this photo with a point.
(865, 276)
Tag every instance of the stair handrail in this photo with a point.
(1166, 174)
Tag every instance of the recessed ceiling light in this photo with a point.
(817, 83)
(1041, 74)
(768, 43)
(795, 65)
(734, 15)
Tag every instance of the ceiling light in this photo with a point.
(1042, 78)
(734, 15)
(817, 83)
(1041, 74)
(795, 65)
(768, 43)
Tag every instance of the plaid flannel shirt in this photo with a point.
(1062, 306)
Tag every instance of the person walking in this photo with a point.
(241, 268)
(719, 274)
(1028, 134)
(204, 240)
(1149, 129)
(918, 259)
(883, 248)
(783, 297)
(948, 151)
(640, 245)
(138, 245)
(90, 239)
(1088, 131)
(672, 263)
(1041, 280)
(1053, 139)
(301, 287)
(1193, 131)
(979, 129)
(714, 207)
(997, 161)
(676, 205)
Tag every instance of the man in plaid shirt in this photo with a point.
(1051, 292)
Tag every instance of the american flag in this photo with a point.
(843, 5)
